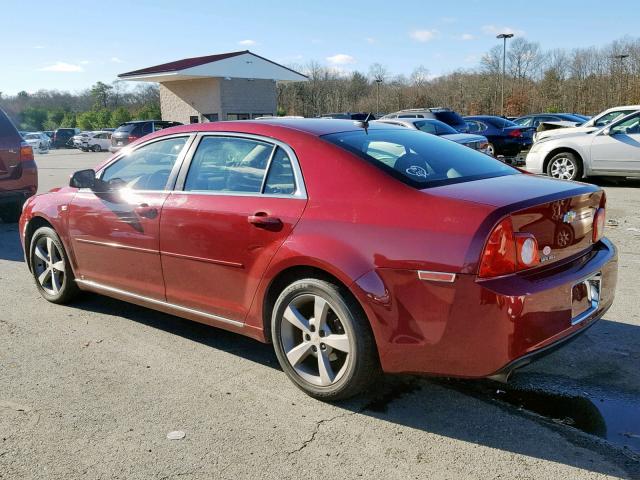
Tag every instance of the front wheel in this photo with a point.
(565, 166)
(491, 150)
(323, 341)
(51, 268)
(97, 148)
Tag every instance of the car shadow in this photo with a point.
(10, 248)
(459, 409)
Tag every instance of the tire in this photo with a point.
(565, 166)
(343, 342)
(11, 212)
(97, 148)
(51, 268)
(491, 150)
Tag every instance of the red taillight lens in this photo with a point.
(598, 225)
(26, 153)
(499, 256)
(508, 252)
(515, 133)
(133, 138)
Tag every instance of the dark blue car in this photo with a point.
(505, 137)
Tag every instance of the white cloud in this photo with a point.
(116, 60)
(494, 30)
(62, 67)
(423, 35)
(466, 36)
(247, 43)
(370, 40)
(341, 59)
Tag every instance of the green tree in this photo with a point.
(103, 118)
(33, 118)
(69, 120)
(100, 92)
(87, 120)
(149, 112)
(119, 116)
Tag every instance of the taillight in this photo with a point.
(499, 255)
(598, 225)
(26, 153)
(515, 133)
(507, 252)
(133, 138)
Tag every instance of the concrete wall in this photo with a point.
(183, 98)
(241, 95)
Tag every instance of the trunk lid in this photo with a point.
(558, 213)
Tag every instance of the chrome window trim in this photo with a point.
(300, 192)
(127, 150)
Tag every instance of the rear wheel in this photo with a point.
(323, 341)
(565, 166)
(97, 148)
(491, 150)
(51, 268)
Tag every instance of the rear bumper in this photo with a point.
(474, 329)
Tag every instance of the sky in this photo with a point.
(70, 45)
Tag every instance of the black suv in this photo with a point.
(18, 171)
(62, 137)
(131, 131)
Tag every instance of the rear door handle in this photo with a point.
(263, 220)
(146, 211)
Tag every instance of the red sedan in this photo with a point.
(354, 248)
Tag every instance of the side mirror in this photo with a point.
(83, 179)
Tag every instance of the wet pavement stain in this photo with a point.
(614, 416)
(393, 390)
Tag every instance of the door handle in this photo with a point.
(264, 220)
(146, 211)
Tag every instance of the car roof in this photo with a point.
(312, 126)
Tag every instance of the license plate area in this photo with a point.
(585, 298)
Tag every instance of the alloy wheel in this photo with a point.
(49, 266)
(314, 340)
(563, 168)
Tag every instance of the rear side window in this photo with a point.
(419, 160)
(280, 179)
(228, 164)
(500, 122)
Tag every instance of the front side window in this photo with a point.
(523, 122)
(610, 117)
(228, 164)
(147, 167)
(629, 126)
(418, 160)
(425, 126)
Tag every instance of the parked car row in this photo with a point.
(607, 145)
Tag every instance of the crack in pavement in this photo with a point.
(317, 429)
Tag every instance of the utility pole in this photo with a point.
(620, 58)
(378, 82)
(504, 37)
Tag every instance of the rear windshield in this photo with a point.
(500, 122)
(450, 118)
(126, 127)
(420, 160)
